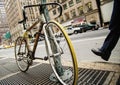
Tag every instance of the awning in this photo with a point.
(67, 23)
(78, 20)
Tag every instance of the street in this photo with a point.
(83, 43)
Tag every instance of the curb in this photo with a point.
(100, 66)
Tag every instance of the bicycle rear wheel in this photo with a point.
(63, 59)
(21, 54)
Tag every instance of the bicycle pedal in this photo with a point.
(58, 41)
(45, 58)
(30, 62)
(19, 59)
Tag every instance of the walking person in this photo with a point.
(112, 38)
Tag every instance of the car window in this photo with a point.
(69, 28)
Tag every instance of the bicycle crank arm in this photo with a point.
(45, 58)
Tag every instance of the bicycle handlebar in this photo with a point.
(45, 5)
(24, 15)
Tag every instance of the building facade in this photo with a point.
(73, 10)
(3, 21)
(14, 15)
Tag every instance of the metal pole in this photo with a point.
(46, 14)
(57, 59)
(99, 11)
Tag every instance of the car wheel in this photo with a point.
(82, 30)
(96, 28)
(85, 30)
(75, 32)
(93, 29)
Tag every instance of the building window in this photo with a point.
(58, 1)
(54, 12)
(65, 6)
(67, 16)
(53, 6)
(61, 19)
(80, 10)
(89, 6)
(73, 13)
(63, 1)
(35, 8)
(56, 19)
(58, 10)
(37, 1)
(71, 3)
(77, 1)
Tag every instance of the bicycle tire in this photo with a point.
(73, 66)
(21, 52)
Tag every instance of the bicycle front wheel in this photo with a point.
(63, 60)
(21, 54)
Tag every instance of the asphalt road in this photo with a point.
(82, 42)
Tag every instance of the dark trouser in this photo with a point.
(118, 82)
(113, 37)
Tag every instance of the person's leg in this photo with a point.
(115, 18)
(118, 81)
(113, 37)
(110, 42)
(108, 45)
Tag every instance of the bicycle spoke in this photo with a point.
(21, 54)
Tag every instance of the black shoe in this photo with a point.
(102, 54)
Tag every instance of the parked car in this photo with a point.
(86, 27)
(7, 46)
(78, 29)
(70, 30)
(1, 47)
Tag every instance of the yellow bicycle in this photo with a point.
(60, 51)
